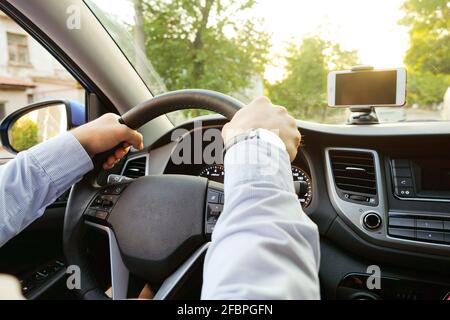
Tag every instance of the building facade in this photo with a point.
(28, 72)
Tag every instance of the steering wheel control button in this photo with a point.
(97, 202)
(213, 196)
(115, 189)
(101, 214)
(91, 212)
(214, 208)
(372, 220)
(104, 202)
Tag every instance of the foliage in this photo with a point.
(204, 43)
(426, 88)
(428, 58)
(24, 134)
(304, 89)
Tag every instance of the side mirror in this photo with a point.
(39, 122)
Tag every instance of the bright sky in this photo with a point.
(369, 26)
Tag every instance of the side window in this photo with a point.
(29, 73)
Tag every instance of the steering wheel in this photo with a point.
(157, 226)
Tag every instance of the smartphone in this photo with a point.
(372, 88)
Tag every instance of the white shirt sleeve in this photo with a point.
(263, 246)
(36, 178)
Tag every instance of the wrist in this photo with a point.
(261, 134)
(83, 140)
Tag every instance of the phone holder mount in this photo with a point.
(362, 114)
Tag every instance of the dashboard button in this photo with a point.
(400, 163)
(402, 233)
(402, 222)
(402, 172)
(447, 237)
(447, 225)
(430, 235)
(429, 224)
(404, 192)
(403, 182)
(359, 198)
(213, 196)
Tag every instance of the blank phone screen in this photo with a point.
(366, 88)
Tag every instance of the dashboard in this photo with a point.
(379, 194)
(216, 171)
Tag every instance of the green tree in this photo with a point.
(210, 44)
(304, 89)
(24, 134)
(428, 57)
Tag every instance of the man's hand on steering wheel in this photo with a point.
(104, 134)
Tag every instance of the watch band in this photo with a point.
(259, 134)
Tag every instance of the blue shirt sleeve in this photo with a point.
(36, 178)
(263, 246)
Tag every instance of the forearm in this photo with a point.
(263, 246)
(35, 178)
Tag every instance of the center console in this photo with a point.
(394, 201)
(421, 179)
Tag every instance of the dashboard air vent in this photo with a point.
(135, 168)
(354, 171)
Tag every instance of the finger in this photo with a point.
(121, 152)
(134, 138)
(292, 150)
(261, 100)
(281, 109)
(106, 166)
(110, 162)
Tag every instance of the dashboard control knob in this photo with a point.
(372, 220)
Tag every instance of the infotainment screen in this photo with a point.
(422, 178)
(434, 175)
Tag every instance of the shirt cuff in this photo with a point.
(257, 160)
(63, 159)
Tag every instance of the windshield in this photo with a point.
(284, 49)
